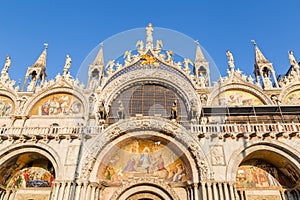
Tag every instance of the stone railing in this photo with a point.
(247, 130)
(54, 132)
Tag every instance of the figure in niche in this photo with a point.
(121, 112)
(101, 114)
(174, 114)
(201, 80)
(33, 81)
(67, 65)
(145, 160)
(267, 82)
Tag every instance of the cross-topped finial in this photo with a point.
(46, 45)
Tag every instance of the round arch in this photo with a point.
(288, 90)
(184, 89)
(40, 148)
(252, 89)
(159, 127)
(134, 190)
(30, 104)
(237, 157)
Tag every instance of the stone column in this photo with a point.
(221, 191)
(67, 190)
(196, 191)
(88, 192)
(93, 191)
(203, 191)
(188, 193)
(215, 191)
(12, 195)
(209, 191)
(78, 190)
(57, 186)
(242, 194)
(235, 192)
(62, 191)
(226, 192)
(231, 191)
(83, 191)
(98, 194)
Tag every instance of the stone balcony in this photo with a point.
(260, 130)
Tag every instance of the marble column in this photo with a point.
(93, 191)
(57, 186)
(12, 195)
(88, 192)
(83, 190)
(196, 191)
(62, 191)
(67, 190)
(220, 185)
(231, 191)
(98, 195)
(78, 190)
(188, 193)
(203, 191)
(209, 191)
(215, 191)
(242, 194)
(235, 192)
(226, 192)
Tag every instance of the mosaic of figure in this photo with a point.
(6, 106)
(237, 98)
(258, 174)
(144, 158)
(58, 104)
(292, 99)
(27, 170)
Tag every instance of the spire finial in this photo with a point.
(46, 45)
(253, 41)
(149, 37)
(259, 57)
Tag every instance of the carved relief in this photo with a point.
(217, 155)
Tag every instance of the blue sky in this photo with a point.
(76, 27)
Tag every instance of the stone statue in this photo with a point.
(67, 65)
(186, 63)
(6, 65)
(267, 82)
(174, 112)
(169, 56)
(121, 112)
(149, 37)
(159, 44)
(127, 56)
(140, 45)
(201, 80)
(230, 60)
(110, 67)
(4, 72)
(101, 113)
(293, 61)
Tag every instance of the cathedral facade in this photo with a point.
(151, 125)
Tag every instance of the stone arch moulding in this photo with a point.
(40, 148)
(238, 86)
(30, 104)
(182, 139)
(157, 187)
(184, 88)
(276, 147)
